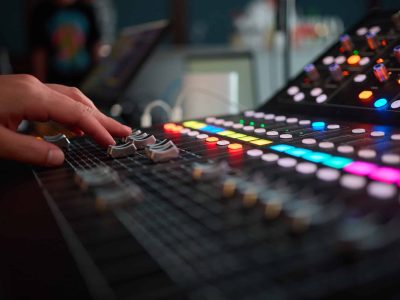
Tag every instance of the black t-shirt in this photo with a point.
(68, 33)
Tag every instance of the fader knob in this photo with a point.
(372, 41)
(396, 52)
(336, 72)
(346, 42)
(396, 20)
(381, 73)
(312, 72)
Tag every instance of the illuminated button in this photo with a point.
(169, 126)
(380, 103)
(272, 133)
(362, 31)
(193, 133)
(328, 174)
(340, 59)
(235, 146)
(299, 97)
(237, 135)
(269, 117)
(228, 123)
(202, 136)
(248, 138)
(318, 125)
(304, 122)
(316, 157)
(248, 128)
(381, 190)
(360, 78)
(395, 137)
(261, 142)
(260, 130)
(223, 143)
(297, 152)
(326, 145)
(306, 168)
(212, 139)
(312, 72)
(353, 182)
(377, 133)
(291, 120)
(226, 133)
(321, 98)
(286, 136)
(281, 147)
(337, 162)
(327, 60)
(212, 129)
(395, 104)
(375, 29)
(259, 115)
(381, 73)
(316, 92)
(280, 118)
(353, 60)
(365, 95)
(270, 157)
(366, 153)
(333, 126)
(345, 149)
(390, 158)
(360, 168)
(249, 113)
(309, 141)
(254, 152)
(385, 174)
(358, 130)
(287, 162)
(210, 119)
(293, 90)
(237, 126)
(185, 130)
(364, 61)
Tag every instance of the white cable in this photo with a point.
(146, 120)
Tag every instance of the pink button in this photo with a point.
(360, 168)
(385, 174)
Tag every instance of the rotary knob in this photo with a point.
(381, 73)
(346, 42)
(336, 72)
(312, 72)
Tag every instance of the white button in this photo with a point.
(395, 104)
(237, 125)
(367, 153)
(286, 136)
(364, 61)
(254, 152)
(375, 29)
(287, 162)
(269, 116)
(259, 115)
(333, 126)
(272, 133)
(358, 130)
(340, 59)
(395, 137)
(223, 143)
(328, 60)
(210, 120)
(377, 133)
(381, 190)
(345, 149)
(219, 121)
(321, 98)
(326, 145)
(309, 141)
(193, 133)
(306, 168)
(280, 118)
(326, 174)
(260, 130)
(293, 90)
(249, 113)
(362, 31)
(390, 158)
(299, 97)
(202, 136)
(353, 182)
(360, 78)
(291, 120)
(270, 157)
(304, 122)
(228, 124)
(248, 128)
(185, 131)
(316, 92)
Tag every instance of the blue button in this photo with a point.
(380, 103)
(316, 157)
(212, 129)
(297, 152)
(318, 125)
(281, 147)
(337, 162)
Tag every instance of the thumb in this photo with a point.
(29, 149)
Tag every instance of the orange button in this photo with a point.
(235, 146)
(212, 139)
(353, 60)
(169, 126)
(365, 95)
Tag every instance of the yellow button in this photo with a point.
(353, 60)
(365, 95)
(226, 133)
(237, 135)
(248, 138)
(261, 142)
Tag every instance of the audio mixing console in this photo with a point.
(298, 199)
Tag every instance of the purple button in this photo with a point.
(385, 174)
(360, 168)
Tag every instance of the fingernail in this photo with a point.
(55, 157)
(128, 128)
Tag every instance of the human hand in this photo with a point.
(23, 97)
